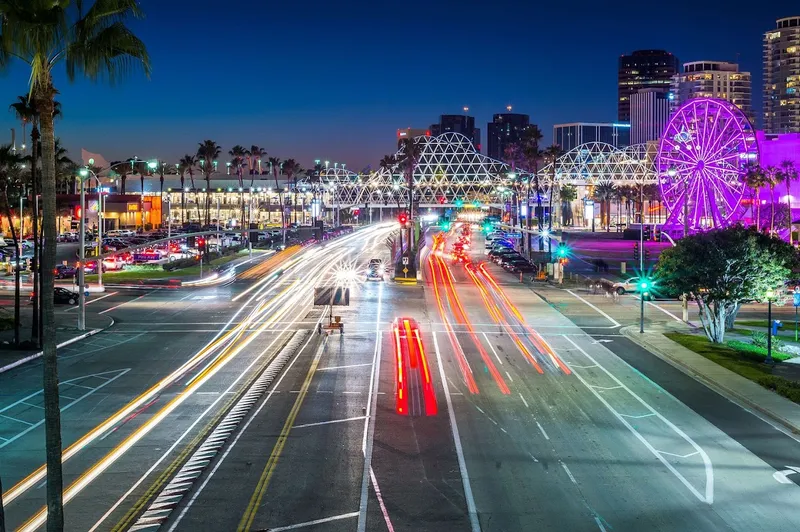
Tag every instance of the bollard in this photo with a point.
(622, 267)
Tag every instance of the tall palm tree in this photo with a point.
(530, 149)
(411, 152)
(291, 169)
(92, 42)
(605, 193)
(552, 153)
(275, 169)
(755, 179)
(789, 174)
(11, 182)
(773, 178)
(238, 155)
(567, 194)
(255, 156)
(207, 153)
(389, 164)
(185, 166)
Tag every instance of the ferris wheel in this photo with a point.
(703, 155)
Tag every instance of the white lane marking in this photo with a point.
(18, 420)
(315, 522)
(533, 457)
(709, 491)
(369, 428)
(379, 496)
(253, 416)
(599, 524)
(93, 300)
(609, 318)
(605, 388)
(328, 422)
(125, 303)
(637, 417)
(28, 404)
(462, 465)
(504, 430)
(345, 367)
(541, 428)
(493, 351)
(665, 311)
(326, 391)
(680, 455)
(182, 436)
(569, 473)
(480, 410)
(509, 377)
(524, 401)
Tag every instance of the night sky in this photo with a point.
(335, 80)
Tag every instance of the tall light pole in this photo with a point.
(86, 173)
(642, 282)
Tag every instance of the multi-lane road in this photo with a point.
(467, 402)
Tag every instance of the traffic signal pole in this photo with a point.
(641, 257)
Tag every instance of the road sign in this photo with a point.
(405, 271)
(796, 299)
(405, 261)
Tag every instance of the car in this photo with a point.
(61, 296)
(62, 271)
(375, 270)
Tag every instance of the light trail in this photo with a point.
(233, 345)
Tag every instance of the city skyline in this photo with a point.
(347, 117)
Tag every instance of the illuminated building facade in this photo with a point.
(713, 79)
(782, 77)
(505, 129)
(643, 69)
(569, 136)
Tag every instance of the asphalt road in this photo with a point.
(540, 415)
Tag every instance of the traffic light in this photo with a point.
(403, 218)
(459, 203)
(562, 252)
(647, 232)
(445, 225)
(657, 234)
(644, 286)
(635, 251)
(646, 254)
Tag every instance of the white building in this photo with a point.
(650, 111)
(713, 79)
(782, 77)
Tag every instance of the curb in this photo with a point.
(723, 390)
(35, 356)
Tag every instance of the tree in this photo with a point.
(185, 166)
(291, 169)
(567, 194)
(275, 168)
(773, 179)
(408, 163)
(755, 179)
(789, 174)
(723, 268)
(254, 156)
(605, 193)
(91, 42)
(389, 164)
(238, 154)
(552, 153)
(530, 149)
(207, 153)
(11, 183)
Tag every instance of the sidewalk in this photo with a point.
(66, 333)
(715, 376)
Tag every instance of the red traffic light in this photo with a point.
(403, 218)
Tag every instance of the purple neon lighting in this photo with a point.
(707, 144)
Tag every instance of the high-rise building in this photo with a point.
(568, 136)
(643, 69)
(782, 77)
(463, 124)
(411, 132)
(713, 79)
(650, 109)
(505, 129)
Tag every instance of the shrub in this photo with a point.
(754, 352)
(180, 264)
(760, 340)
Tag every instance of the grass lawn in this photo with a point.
(135, 273)
(746, 363)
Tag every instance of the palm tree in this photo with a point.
(207, 153)
(389, 163)
(773, 178)
(530, 149)
(605, 193)
(567, 194)
(255, 155)
(408, 163)
(92, 42)
(10, 163)
(789, 174)
(291, 169)
(755, 179)
(552, 154)
(238, 154)
(275, 168)
(185, 166)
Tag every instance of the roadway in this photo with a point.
(540, 414)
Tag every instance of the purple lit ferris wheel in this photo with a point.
(702, 158)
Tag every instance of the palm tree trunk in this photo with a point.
(208, 199)
(771, 209)
(161, 197)
(7, 207)
(789, 202)
(36, 273)
(52, 414)
(758, 210)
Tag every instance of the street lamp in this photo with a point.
(770, 295)
(84, 174)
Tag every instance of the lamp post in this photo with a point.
(770, 296)
(642, 282)
(86, 173)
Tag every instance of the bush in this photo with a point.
(180, 264)
(760, 340)
(754, 352)
(781, 386)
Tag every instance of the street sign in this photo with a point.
(405, 271)
(405, 261)
(796, 299)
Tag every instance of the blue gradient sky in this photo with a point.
(335, 80)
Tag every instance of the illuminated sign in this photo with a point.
(133, 207)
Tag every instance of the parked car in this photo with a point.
(62, 271)
(375, 270)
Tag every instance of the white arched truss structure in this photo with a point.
(596, 163)
(449, 170)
